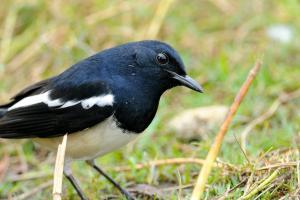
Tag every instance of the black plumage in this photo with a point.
(102, 102)
(130, 72)
(40, 120)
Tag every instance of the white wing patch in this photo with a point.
(102, 100)
(35, 99)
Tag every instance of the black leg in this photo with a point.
(70, 177)
(123, 191)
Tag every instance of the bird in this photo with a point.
(102, 102)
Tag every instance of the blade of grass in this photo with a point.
(261, 186)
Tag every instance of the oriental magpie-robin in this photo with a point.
(102, 102)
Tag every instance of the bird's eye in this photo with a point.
(162, 59)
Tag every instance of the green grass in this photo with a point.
(219, 44)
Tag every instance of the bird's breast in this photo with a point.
(92, 142)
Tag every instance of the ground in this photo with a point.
(219, 41)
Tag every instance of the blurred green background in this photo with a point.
(219, 41)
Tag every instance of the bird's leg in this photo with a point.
(74, 182)
(123, 191)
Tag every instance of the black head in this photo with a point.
(164, 63)
(151, 67)
(140, 72)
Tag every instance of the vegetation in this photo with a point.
(219, 41)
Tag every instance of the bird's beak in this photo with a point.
(187, 81)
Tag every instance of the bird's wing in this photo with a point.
(35, 88)
(56, 110)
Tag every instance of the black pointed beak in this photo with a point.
(187, 81)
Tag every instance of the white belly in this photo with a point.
(91, 143)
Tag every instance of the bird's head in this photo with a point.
(163, 63)
(154, 64)
(139, 73)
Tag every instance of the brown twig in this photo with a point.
(214, 150)
(59, 168)
(155, 163)
(283, 98)
(277, 165)
(170, 161)
(179, 161)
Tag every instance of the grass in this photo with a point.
(219, 43)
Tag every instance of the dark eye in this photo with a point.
(162, 59)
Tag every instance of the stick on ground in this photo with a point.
(214, 150)
(59, 168)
